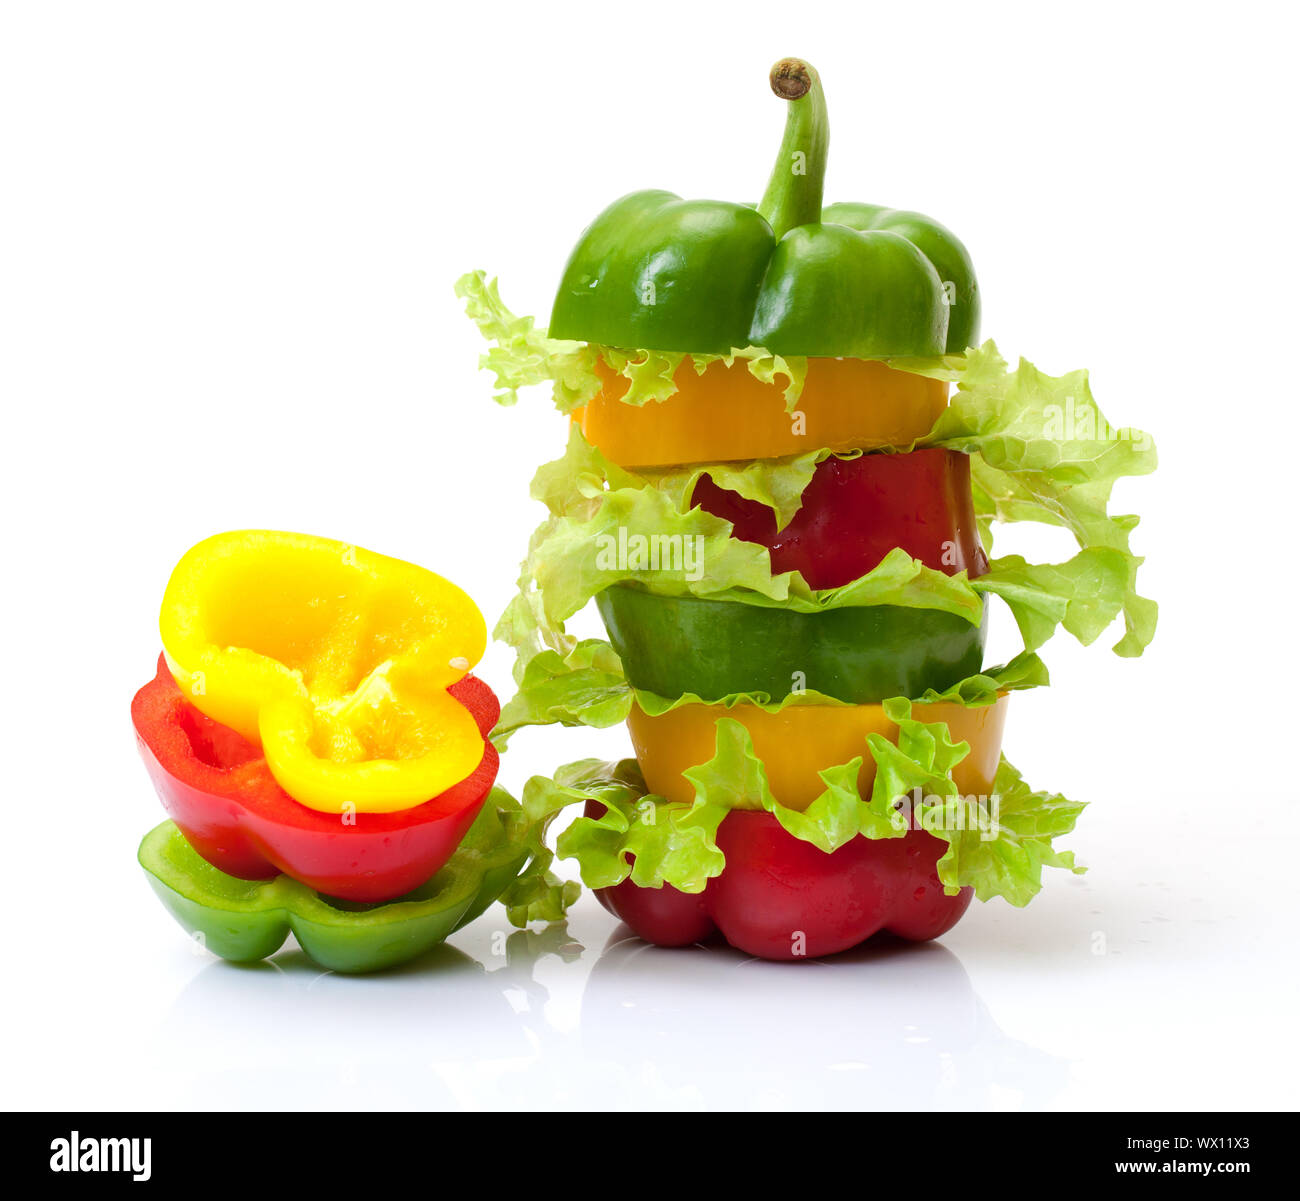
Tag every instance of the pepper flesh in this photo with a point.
(726, 414)
(334, 660)
(799, 741)
(217, 788)
(855, 511)
(244, 921)
(782, 898)
(678, 645)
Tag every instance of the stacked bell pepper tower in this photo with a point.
(786, 455)
(784, 520)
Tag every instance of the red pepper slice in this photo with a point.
(782, 898)
(216, 786)
(855, 511)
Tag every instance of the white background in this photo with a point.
(228, 238)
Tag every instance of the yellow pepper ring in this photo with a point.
(800, 740)
(727, 414)
(334, 659)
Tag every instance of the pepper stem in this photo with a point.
(794, 191)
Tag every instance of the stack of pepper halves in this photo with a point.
(320, 747)
(782, 509)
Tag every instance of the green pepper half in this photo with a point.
(654, 271)
(675, 645)
(246, 920)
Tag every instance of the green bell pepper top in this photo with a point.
(657, 272)
(246, 920)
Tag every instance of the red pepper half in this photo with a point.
(217, 788)
(782, 898)
(855, 511)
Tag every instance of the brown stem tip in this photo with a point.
(790, 79)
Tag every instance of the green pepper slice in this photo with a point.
(246, 920)
(675, 645)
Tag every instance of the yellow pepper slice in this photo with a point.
(334, 659)
(797, 742)
(727, 414)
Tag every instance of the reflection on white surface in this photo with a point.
(535, 1019)
(891, 1025)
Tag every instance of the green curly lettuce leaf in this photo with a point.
(922, 757)
(585, 687)
(573, 484)
(1083, 595)
(735, 778)
(536, 894)
(521, 355)
(997, 845)
(1025, 671)
(1041, 450)
(654, 705)
(1010, 864)
(650, 373)
(638, 835)
(779, 484)
(764, 366)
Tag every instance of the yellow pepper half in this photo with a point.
(335, 660)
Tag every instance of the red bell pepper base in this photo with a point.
(855, 511)
(781, 898)
(216, 786)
